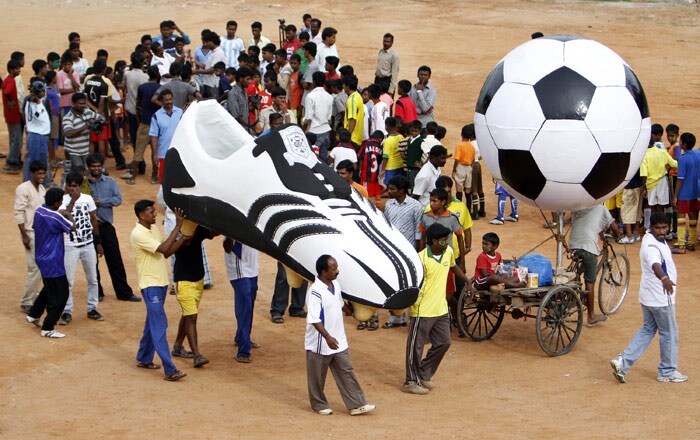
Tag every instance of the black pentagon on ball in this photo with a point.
(607, 173)
(635, 87)
(520, 171)
(564, 94)
(563, 38)
(493, 82)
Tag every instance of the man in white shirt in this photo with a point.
(326, 344)
(319, 107)
(430, 140)
(232, 45)
(38, 123)
(242, 264)
(657, 295)
(428, 174)
(315, 32)
(380, 111)
(258, 39)
(210, 82)
(327, 47)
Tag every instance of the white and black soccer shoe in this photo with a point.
(273, 194)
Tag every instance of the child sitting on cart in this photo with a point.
(487, 263)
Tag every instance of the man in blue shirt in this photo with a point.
(106, 195)
(49, 227)
(685, 198)
(167, 37)
(163, 125)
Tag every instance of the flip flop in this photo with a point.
(252, 344)
(175, 375)
(602, 319)
(181, 352)
(243, 359)
(278, 320)
(149, 366)
(362, 325)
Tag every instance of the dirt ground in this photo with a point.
(86, 385)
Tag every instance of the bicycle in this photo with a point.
(612, 275)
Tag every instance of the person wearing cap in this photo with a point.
(37, 117)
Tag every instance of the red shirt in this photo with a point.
(406, 109)
(296, 90)
(266, 99)
(291, 47)
(488, 263)
(250, 91)
(9, 90)
(371, 156)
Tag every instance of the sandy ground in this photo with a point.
(87, 384)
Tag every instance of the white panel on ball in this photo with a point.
(563, 196)
(640, 149)
(614, 119)
(514, 117)
(565, 151)
(595, 62)
(487, 148)
(520, 68)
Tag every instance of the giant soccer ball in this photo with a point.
(562, 122)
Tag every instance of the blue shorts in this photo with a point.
(389, 174)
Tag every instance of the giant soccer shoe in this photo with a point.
(273, 194)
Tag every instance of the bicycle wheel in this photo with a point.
(614, 282)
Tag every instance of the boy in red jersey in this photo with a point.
(405, 108)
(487, 263)
(369, 159)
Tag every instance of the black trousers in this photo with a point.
(52, 299)
(280, 297)
(115, 265)
(115, 145)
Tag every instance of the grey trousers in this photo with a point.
(421, 330)
(343, 373)
(33, 284)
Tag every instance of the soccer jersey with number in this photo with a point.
(371, 156)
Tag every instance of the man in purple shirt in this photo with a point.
(49, 227)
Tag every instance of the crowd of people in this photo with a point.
(382, 137)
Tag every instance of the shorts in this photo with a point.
(477, 187)
(142, 141)
(390, 174)
(103, 135)
(373, 188)
(631, 210)
(161, 167)
(55, 127)
(463, 177)
(659, 195)
(451, 285)
(189, 294)
(688, 206)
(614, 202)
(590, 264)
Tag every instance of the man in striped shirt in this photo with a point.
(326, 343)
(232, 45)
(76, 127)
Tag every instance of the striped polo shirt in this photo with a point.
(405, 217)
(79, 145)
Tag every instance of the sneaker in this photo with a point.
(33, 321)
(65, 319)
(94, 314)
(512, 218)
(414, 388)
(219, 153)
(127, 175)
(325, 411)
(428, 385)
(626, 240)
(675, 377)
(364, 409)
(616, 364)
(496, 221)
(52, 334)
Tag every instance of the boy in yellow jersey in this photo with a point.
(430, 320)
(354, 120)
(653, 174)
(393, 163)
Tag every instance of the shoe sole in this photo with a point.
(294, 185)
(666, 380)
(617, 374)
(418, 393)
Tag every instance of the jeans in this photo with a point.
(37, 149)
(245, 290)
(154, 330)
(88, 256)
(323, 141)
(662, 319)
(280, 297)
(15, 153)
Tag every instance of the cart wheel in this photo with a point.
(613, 283)
(479, 318)
(559, 321)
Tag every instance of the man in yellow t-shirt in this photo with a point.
(653, 173)
(354, 119)
(393, 162)
(152, 269)
(430, 320)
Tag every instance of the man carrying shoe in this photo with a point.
(152, 268)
